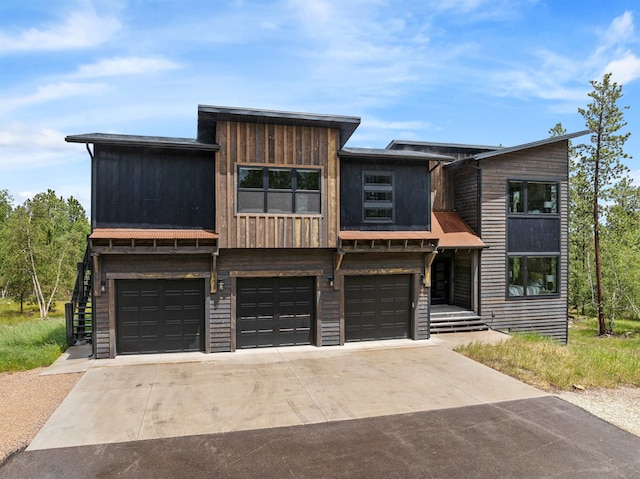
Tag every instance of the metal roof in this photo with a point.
(524, 146)
(457, 147)
(208, 115)
(134, 140)
(447, 227)
(392, 154)
(149, 234)
(453, 232)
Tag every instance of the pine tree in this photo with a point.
(600, 163)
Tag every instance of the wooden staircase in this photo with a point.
(79, 312)
(453, 319)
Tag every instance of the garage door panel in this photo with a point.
(160, 316)
(274, 311)
(377, 307)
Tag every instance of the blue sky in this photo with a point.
(463, 71)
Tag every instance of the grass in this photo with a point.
(27, 342)
(587, 360)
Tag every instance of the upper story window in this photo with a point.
(377, 190)
(278, 190)
(533, 197)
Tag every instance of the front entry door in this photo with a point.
(440, 275)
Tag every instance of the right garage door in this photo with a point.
(377, 307)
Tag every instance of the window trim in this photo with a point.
(372, 204)
(525, 190)
(265, 190)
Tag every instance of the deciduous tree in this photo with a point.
(45, 239)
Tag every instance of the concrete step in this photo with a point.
(456, 321)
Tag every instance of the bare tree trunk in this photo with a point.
(596, 238)
(37, 289)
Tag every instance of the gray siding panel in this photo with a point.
(423, 314)
(544, 315)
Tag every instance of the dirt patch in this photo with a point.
(27, 400)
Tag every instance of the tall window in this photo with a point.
(533, 275)
(377, 193)
(533, 197)
(278, 190)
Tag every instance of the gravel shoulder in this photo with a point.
(620, 406)
(28, 399)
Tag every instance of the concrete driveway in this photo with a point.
(159, 396)
(398, 409)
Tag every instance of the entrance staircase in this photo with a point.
(79, 312)
(453, 319)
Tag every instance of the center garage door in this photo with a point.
(377, 307)
(160, 316)
(274, 311)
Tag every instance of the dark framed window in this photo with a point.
(378, 194)
(278, 190)
(533, 197)
(532, 276)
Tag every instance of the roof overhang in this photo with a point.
(159, 241)
(381, 153)
(524, 146)
(141, 141)
(453, 232)
(209, 115)
(448, 231)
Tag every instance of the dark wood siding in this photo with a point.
(152, 187)
(411, 194)
(533, 234)
(544, 315)
(465, 181)
(278, 146)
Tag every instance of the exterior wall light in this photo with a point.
(220, 285)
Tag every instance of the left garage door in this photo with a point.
(159, 316)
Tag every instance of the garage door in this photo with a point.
(377, 307)
(274, 311)
(159, 316)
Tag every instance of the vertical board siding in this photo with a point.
(462, 279)
(466, 194)
(544, 315)
(441, 191)
(276, 145)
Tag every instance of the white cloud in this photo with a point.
(124, 66)
(624, 69)
(51, 92)
(620, 29)
(79, 29)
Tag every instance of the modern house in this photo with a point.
(267, 230)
